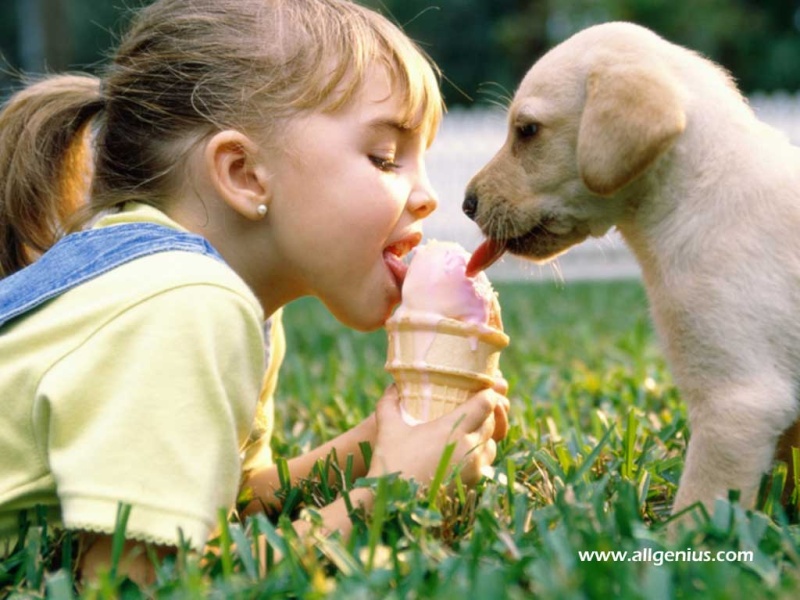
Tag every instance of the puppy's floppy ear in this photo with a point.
(633, 114)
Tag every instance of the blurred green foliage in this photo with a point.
(485, 46)
(479, 43)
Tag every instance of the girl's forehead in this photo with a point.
(378, 86)
(385, 89)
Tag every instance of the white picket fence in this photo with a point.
(469, 138)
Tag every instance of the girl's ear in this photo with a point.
(238, 175)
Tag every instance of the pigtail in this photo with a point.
(45, 169)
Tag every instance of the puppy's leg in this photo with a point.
(734, 431)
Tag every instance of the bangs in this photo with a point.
(370, 40)
(417, 81)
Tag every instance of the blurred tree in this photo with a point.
(484, 47)
(44, 40)
(463, 38)
(478, 43)
(41, 36)
(9, 42)
(758, 41)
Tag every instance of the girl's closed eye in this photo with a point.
(384, 163)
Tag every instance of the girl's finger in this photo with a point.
(505, 403)
(480, 455)
(488, 427)
(474, 443)
(489, 452)
(501, 422)
(471, 415)
(500, 384)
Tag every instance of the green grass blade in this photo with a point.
(339, 556)
(59, 586)
(347, 482)
(323, 470)
(511, 475)
(629, 446)
(550, 464)
(795, 500)
(118, 540)
(284, 477)
(441, 472)
(274, 539)
(244, 550)
(225, 554)
(34, 566)
(366, 453)
(592, 457)
(378, 518)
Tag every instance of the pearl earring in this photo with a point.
(262, 210)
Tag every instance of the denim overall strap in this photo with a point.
(80, 257)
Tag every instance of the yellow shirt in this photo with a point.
(140, 386)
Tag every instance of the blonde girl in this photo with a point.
(236, 155)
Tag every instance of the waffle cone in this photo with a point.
(439, 364)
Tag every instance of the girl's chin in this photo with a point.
(365, 324)
(364, 316)
(368, 307)
(375, 318)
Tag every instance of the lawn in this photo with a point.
(591, 463)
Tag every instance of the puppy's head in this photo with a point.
(590, 118)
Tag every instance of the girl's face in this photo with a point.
(348, 191)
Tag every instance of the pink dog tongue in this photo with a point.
(485, 255)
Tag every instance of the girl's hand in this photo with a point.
(415, 451)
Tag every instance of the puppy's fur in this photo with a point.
(618, 127)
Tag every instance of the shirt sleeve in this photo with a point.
(152, 410)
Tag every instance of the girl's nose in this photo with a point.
(423, 200)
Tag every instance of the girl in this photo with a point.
(245, 153)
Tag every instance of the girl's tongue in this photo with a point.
(393, 256)
(396, 266)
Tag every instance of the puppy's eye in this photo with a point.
(527, 131)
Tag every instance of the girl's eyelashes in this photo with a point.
(384, 164)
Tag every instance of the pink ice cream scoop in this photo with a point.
(436, 285)
(446, 336)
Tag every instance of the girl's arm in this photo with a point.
(264, 482)
(411, 451)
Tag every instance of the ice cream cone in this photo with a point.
(439, 363)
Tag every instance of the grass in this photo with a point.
(591, 463)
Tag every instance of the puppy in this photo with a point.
(616, 127)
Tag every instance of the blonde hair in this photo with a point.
(184, 70)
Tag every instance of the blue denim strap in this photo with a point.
(80, 257)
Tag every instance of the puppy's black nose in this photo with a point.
(470, 206)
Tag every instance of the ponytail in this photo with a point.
(44, 165)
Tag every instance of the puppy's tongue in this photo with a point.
(485, 255)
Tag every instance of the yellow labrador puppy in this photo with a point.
(616, 127)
